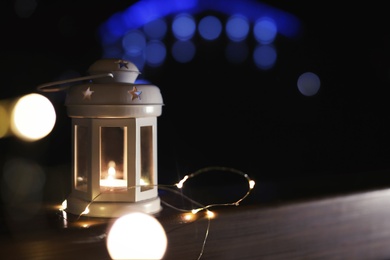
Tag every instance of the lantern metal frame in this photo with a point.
(133, 197)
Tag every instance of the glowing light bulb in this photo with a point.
(136, 236)
(251, 184)
(210, 214)
(85, 212)
(64, 205)
(188, 217)
(33, 117)
(194, 211)
(180, 184)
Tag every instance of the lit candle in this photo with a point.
(111, 180)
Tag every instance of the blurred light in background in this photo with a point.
(134, 42)
(22, 184)
(136, 236)
(151, 19)
(265, 30)
(155, 53)
(4, 118)
(264, 56)
(29, 118)
(25, 8)
(183, 51)
(237, 28)
(156, 29)
(210, 28)
(308, 84)
(183, 26)
(237, 52)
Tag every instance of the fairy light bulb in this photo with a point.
(136, 236)
(64, 205)
(85, 212)
(210, 214)
(181, 182)
(139, 235)
(251, 184)
(194, 211)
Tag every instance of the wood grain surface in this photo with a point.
(350, 226)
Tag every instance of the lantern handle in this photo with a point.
(45, 87)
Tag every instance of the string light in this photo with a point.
(180, 183)
(85, 212)
(251, 185)
(189, 214)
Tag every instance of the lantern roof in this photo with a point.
(111, 92)
(122, 70)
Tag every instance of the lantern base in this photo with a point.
(78, 206)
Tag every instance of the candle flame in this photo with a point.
(111, 173)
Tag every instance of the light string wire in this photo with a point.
(179, 185)
(49, 87)
(167, 187)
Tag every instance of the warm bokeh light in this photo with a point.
(210, 214)
(4, 120)
(32, 117)
(187, 217)
(22, 186)
(136, 236)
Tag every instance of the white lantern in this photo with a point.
(114, 134)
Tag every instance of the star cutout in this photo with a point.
(122, 63)
(88, 93)
(135, 93)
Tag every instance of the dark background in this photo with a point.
(219, 114)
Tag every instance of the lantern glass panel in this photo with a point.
(113, 159)
(81, 157)
(147, 158)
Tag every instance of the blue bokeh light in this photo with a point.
(139, 59)
(265, 30)
(237, 52)
(308, 84)
(183, 26)
(143, 12)
(134, 42)
(210, 27)
(183, 51)
(149, 18)
(155, 53)
(237, 28)
(265, 56)
(156, 29)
